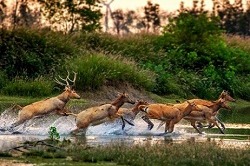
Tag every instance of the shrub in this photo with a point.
(95, 70)
(33, 88)
(31, 53)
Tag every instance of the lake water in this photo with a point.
(236, 135)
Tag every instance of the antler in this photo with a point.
(74, 80)
(66, 80)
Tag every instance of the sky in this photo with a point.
(168, 5)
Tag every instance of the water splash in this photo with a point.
(65, 124)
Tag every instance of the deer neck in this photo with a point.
(118, 103)
(64, 97)
(136, 110)
(187, 110)
(216, 106)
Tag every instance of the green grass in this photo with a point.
(187, 153)
(95, 70)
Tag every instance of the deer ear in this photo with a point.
(67, 88)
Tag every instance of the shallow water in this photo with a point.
(236, 135)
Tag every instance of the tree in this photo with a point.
(23, 15)
(72, 15)
(152, 17)
(230, 15)
(2, 12)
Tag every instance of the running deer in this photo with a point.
(207, 113)
(224, 95)
(49, 105)
(126, 113)
(99, 114)
(170, 114)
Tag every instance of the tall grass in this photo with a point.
(96, 69)
(32, 53)
(187, 153)
(32, 88)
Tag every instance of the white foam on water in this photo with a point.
(65, 124)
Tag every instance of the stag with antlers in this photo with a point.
(49, 105)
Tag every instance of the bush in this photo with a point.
(30, 53)
(95, 70)
(32, 88)
(3, 79)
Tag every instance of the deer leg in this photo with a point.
(150, 124)
(17, 123)
(161, 124)
(221, 123)
(125, 120)
(200, 125)
(75, 131)
(214, 122)
(62, 112)
(171, 126)
(167, 126)
(123, 123)
(194, 126)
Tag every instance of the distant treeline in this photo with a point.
(70, 16)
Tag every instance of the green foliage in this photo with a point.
(78, 15)
(190, 30)
(3, 79)
(169, 64)
(5, 154)
(31, 53)
(139, 47)
(95, 70)
(53, 134)
(187, 153)
(33, 88)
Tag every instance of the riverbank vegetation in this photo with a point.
(160, 64)
(187, 153)
(191, 57)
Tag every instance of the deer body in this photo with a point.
(224, 95)
(100, 114)
(171, 114)
(46, 106)
(207, 113)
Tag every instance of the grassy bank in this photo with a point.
(187, 153)
(163, 64)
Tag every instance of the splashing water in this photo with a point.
(38, 128)
(65, 124)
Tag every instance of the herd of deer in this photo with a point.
(195, 110)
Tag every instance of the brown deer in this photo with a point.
(207, 113)
(224, 95)
(125, 113)
(170, 114)
(49, 105)
(99, 114)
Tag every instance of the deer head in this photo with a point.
(225, 95)
(69, 88)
